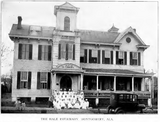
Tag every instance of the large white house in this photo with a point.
(64, 57)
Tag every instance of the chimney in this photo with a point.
(19, 26)
(134, 30)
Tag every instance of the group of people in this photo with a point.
(68, 99)
(20, 105)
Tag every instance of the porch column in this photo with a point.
(97, 82)
(143, 84)
(132, 83)
(114, 84)
(150, 85)
(114, 57)
(81, 82)
(54, 81)
(97, 99)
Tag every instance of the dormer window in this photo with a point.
(35, 30)
(66, 24)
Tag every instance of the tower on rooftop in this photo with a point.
(66, 17)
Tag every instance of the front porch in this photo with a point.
(97, 85)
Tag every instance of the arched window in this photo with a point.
(67, 24)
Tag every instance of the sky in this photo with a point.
(143, 16)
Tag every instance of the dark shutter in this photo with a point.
(49, 80)
(20, 51)
(67, 51)
(29, 80)
(130, 58)
(39, 52)
(59, 53)
(103, 57)
(99, 56)
(139, 58)
(90, 56)
(85, 55)
(73, 51)
(38, 80)
(49, 52)
(111, 57)
(116, 57)
(18, 79)
(125, 58)
(30, 51)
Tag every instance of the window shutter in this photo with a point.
(103, 58)
(116, 57)
(20, 51)
(139, 59)
(73, 51)
(67, 51)
(125, 58)
(85, 55)
(99, 55)
(111, 58)
(30, 52)
(39, 52)
(59, 56)
(18, 79)
(130, 58)
(90, 56)
(49, 80)
(38, 80)
(29, 80)
(49, 52)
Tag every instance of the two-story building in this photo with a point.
(64, 57)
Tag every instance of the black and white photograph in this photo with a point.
(79, 60)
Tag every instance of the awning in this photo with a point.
(117, 72)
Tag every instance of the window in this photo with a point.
(44, 52)
(66, 51)
(66, 24)
(121, 57)
(135, 58)
(23, 80)
(25, 51)
(43, 80)
(83, 56)
(94, 56)
(107, 57)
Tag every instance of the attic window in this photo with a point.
(35, 30)
(128, 40)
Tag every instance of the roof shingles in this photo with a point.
(85, 35)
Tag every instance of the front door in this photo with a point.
(66, 83)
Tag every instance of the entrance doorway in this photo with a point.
(66, 83)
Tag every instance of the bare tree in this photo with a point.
(4, 51)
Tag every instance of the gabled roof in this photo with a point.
(66, 6)
(129, 30)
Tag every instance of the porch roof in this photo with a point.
(116, 72)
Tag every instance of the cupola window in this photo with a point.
(66, 24)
